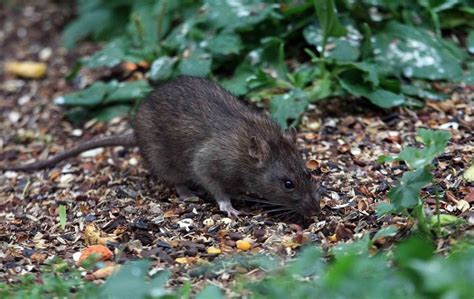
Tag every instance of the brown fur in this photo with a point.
(192, 131)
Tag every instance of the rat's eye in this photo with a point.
(288, 184)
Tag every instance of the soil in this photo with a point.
(109, 190)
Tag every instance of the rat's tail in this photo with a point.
(127, 139)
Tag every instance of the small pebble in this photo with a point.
(258, 233)
(208, 222)
(235, 236)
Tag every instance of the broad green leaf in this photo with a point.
(157, 284)
(162, 68)
(111, 55)
(89, 97)
(415, 248)
(415, 53)
(237, 84)
(406, 194)
(419, 92)
(385, 99)
(127, 91)
(289, 107)
(470, 41)
(210, 291)
(62, 216)
(237, 14)
(326, 12)
(384, 208)
(380, 97)
(197, 64)
(108, 113)
(84, 26)
(343, 51)
(225, 44)
(320, 89)
(129, 282)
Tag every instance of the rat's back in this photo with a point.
(181, 115)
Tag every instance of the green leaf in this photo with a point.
(326, 12)
(225, 44)
(162, 68)
(210, 291)
(128, 91)
(446, 219)
(197, 64)
(435, 144)
(343, 51)
(419, 92)
(385, 99)
(470, 41)
(237, 84)
(89, 97)
(380, 97)
(384, 208)
(108, 113)
(62, 216)
(406, 194)
(385, 159)
(415, 53)
(233, 15)
(388, 231)
(111, 55)
(289, 107)
(84, 26)
(129, 282)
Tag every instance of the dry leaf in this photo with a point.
(469, 174)
(463, 205)
(103, 272)
(93, 236)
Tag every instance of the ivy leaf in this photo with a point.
(406, 194)
(289, 107)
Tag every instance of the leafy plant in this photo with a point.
(405, 196)
(411, 269)
(287, 53)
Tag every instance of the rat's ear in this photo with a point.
(291, 134)
(258, 149)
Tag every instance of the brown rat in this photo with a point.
(190, 131)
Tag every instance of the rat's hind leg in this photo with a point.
(184, 192)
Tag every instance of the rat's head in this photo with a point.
(281, 177)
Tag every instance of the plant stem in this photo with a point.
(438, 217)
